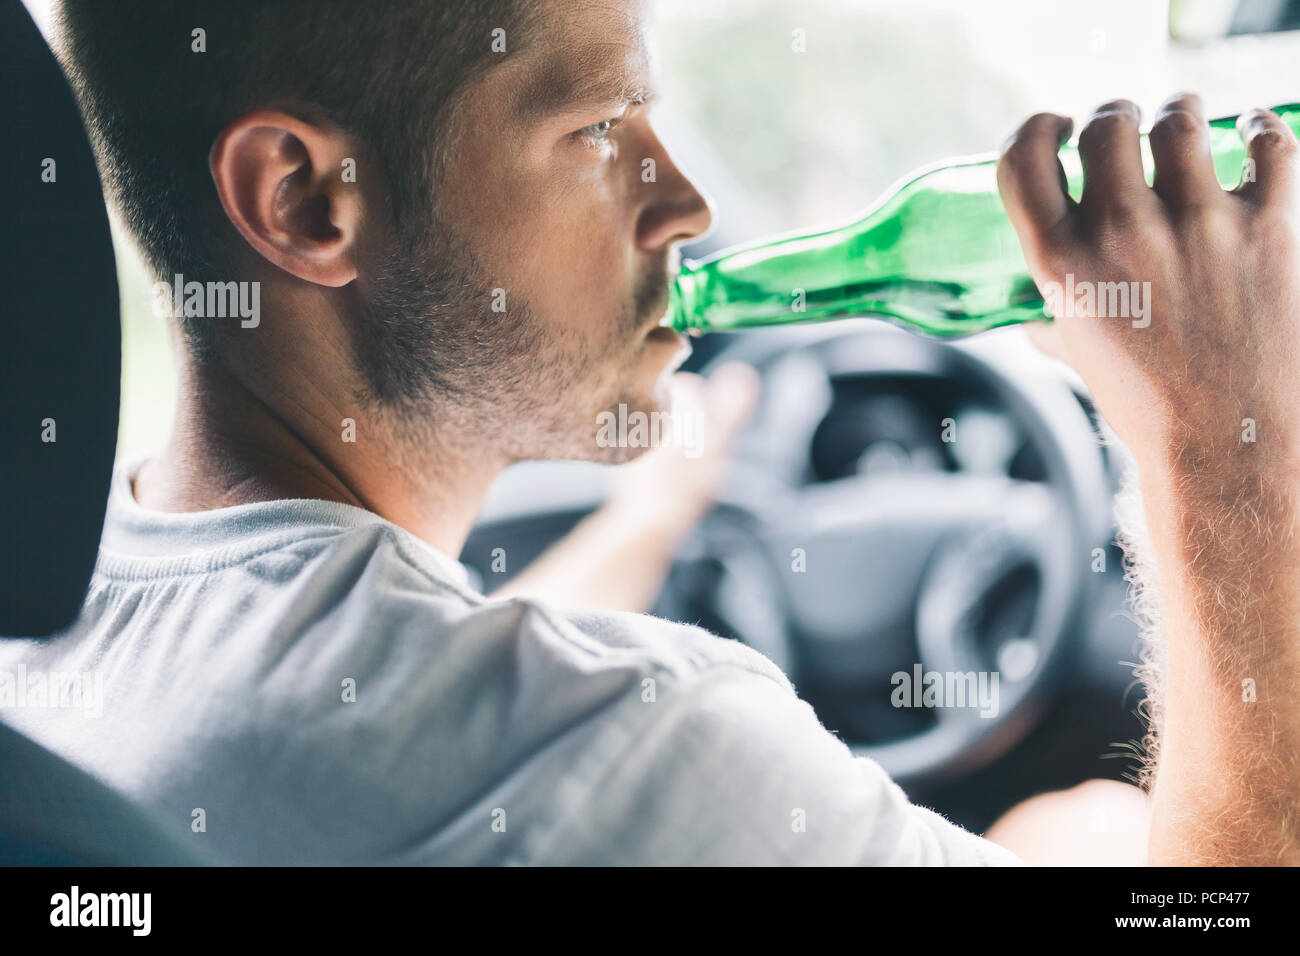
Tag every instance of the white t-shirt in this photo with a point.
(304, 682)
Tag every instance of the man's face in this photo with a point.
(564, 199)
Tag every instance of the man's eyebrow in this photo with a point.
(560, 90)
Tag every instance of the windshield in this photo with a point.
(794, 114)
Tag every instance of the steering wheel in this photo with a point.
(864, 560)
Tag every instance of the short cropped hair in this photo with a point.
(386, 71)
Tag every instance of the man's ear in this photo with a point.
(281, 183)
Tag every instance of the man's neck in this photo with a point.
(230, 447)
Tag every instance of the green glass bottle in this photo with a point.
(936, 255)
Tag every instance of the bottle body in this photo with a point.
(936, 254)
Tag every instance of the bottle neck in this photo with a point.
(682, 301)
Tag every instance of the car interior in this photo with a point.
(959, 556)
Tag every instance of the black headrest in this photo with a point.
(60, 355)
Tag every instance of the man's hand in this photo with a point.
(676, 484)
(1201, 385)
(1096, 823)
(1221, 269)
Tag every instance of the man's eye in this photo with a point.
(599, 131)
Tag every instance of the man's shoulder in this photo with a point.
(374, 609)
(409, 590)
(415, 693)
(677, 649)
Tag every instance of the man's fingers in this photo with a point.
(1109, 146)
(1180, 145)
(1031, 181)
(732, 395)
(1273, 154)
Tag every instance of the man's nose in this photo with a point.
(676, 210)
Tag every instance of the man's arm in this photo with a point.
(618, 557)
(1205, 394)
(1227, 788)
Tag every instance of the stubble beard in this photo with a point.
(443, 369)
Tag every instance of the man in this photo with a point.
(460, 265)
